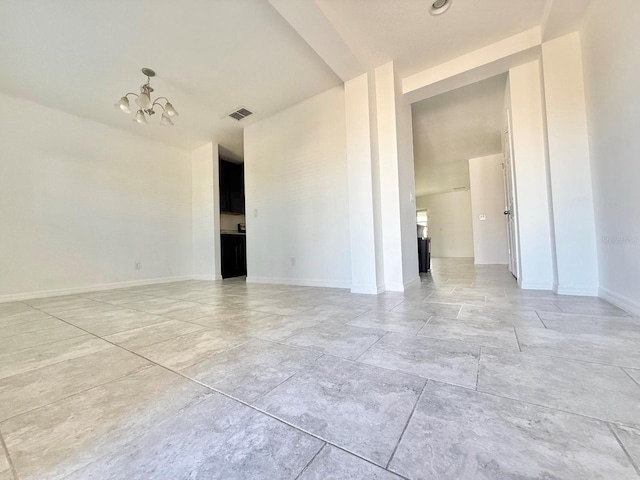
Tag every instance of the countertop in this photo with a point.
(232, 232)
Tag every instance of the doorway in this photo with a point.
(459, 155)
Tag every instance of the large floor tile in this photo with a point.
(27, 359)
(55, 305)
(55, 440)
(457, 433)
(476, 331)
(25, 316)
(35, 325)
(457, 298)
(13, 308)
(113, 321)
(363, 409)
(611, 349)
(251, 369)
(61, 331)
(390, 322)
(335, 464)
(524, 303)
(447, 361)
(154, 333)
(337, 339)
(181, 352)
(588, 306)
(590, 324)
(277, 328)
(160, 306)
(516, 317)
(599, 391)
(425, 310)
(42, 386)
(217, 438)
(5, 467)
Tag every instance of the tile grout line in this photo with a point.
(629, 375)
(478, 368)
(5, 449)
(324, 445)
(517, 339)
(540, 318)
(624, 449)
(413, 410)
(370, 347)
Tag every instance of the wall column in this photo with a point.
(205, 211)
(570, 168)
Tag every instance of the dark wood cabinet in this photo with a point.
(231, 187)
(234, 255)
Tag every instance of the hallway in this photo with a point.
(463, 377)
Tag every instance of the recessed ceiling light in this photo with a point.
(439, 7)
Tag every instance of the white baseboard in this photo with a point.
(302, 282)
(414, 282)
(630, 305)
(367, 289)
(536, 286)
(578, 290)
(206, 277)
(13, 297)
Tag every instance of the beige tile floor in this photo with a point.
(465, 377)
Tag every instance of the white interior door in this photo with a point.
(510, 206)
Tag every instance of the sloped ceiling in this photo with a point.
(210, 58)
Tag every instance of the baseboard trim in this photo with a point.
(628, 304)
(578, 290)
(536, 286)
(301, 282)
(206, 277)
(14, 297)
(367, 289)
(414, 282)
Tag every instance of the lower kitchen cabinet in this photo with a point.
(233, 250)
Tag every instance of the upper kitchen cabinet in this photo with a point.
(231, 187)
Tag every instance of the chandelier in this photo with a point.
(143, 100)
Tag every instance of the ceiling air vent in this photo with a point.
(240, 113)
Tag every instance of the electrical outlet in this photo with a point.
(483, 217)
(293, 261)
(137, 266)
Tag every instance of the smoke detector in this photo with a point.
(439, 7)
(240, 113)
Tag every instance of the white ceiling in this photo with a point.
(379, 31)
(210, 57)
(453, 127)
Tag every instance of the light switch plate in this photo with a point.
(483, 217)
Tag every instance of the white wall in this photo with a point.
(296, 182)
(611, 50)
(487, 198)
(570, 170)
(205, 211)
(450, 226)
(530, 165)
(81, 202)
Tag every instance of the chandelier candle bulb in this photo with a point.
(146, 104)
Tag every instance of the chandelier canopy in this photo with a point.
(143, 100)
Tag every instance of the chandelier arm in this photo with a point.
(160, 98)
(131, 93)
